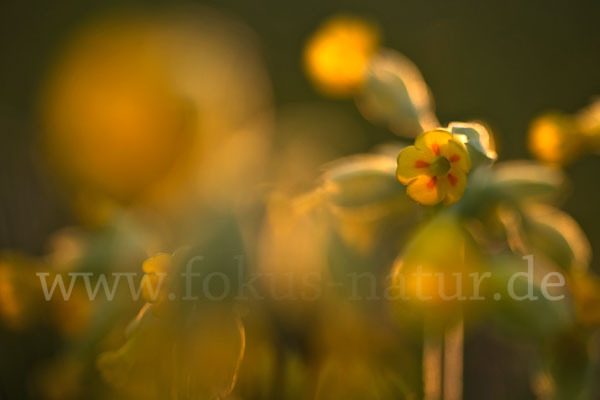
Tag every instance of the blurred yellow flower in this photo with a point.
(433, 272)
(21, 302)
(555, 138)
(154, 289)
(435, 168)
(135, 113)
(559, 138)
(336, 56)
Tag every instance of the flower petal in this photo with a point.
(412, 162)
(433, 140)
(457, 154)
(160, 263)
(426, 190)
(453, 185)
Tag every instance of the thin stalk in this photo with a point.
(453, 361)
(432, 361)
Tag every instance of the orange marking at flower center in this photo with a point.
(432, 182)
(453, 180)
(454, 158)
(421, 164)
(436, 149)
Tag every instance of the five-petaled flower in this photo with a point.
(434, 169)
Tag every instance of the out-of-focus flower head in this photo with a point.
(156, 110)
(560, 138)
(434, 169)
(555, 138)
(436, 263)
(336, 56)
(155, 270)
(159, 284)
(20, 297)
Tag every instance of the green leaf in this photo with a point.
(529, 180)
(558, 236)
(536, 319)
(363, 181)
(478, 141)
(395, 95)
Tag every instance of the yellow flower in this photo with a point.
(336, 56)
(433, 273)
(559, 138)
(134, 114)
(435, 168)
(555, 138)
(154, 290)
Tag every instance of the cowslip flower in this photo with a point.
(559, 138)
(555, 138)
(336, 56)
(120, 122)
(434, 169)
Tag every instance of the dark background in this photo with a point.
(502, 62)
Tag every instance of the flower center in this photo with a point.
(440, 166)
